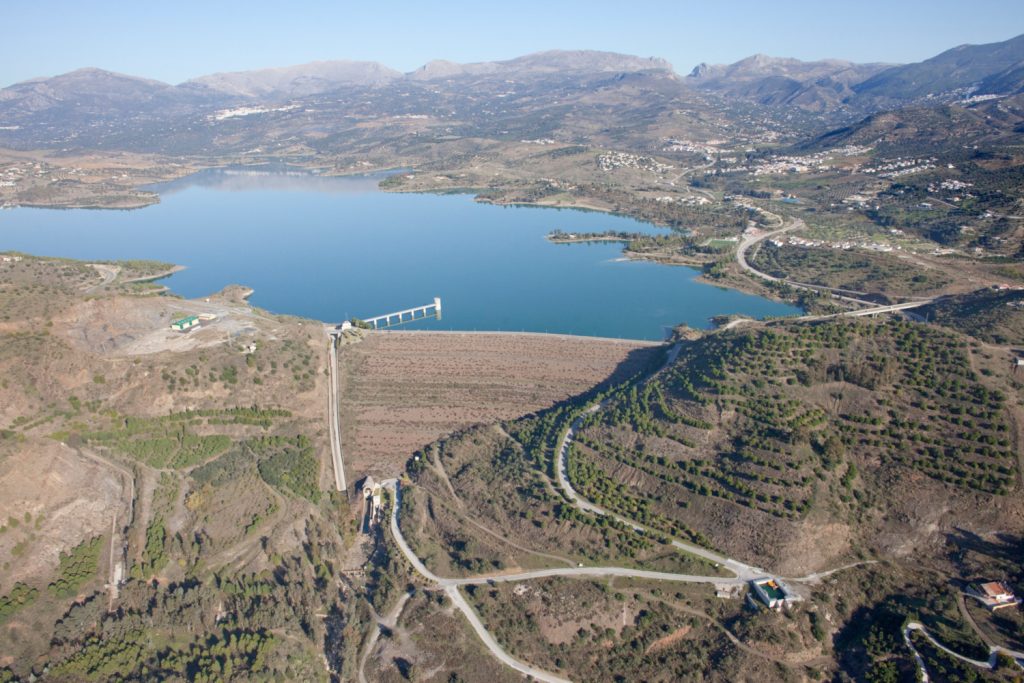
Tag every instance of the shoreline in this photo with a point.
(158, 276)
(583, 240)
(661, 259)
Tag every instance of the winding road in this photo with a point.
(743, 572)
(795, 224)
(842, 294)
(451, 589)
(990, 665)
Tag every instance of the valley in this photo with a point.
(796, 455)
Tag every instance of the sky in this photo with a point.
(176, 40)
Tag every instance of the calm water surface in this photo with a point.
(333, 248)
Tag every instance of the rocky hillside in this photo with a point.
(774, 81)
(961, 70)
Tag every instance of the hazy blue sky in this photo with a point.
(179, 39)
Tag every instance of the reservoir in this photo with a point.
(331, 248)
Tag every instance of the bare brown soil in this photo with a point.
(436, 641)
(403, 390)
(57, 499)
(669, 640)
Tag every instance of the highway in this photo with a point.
(796, 224)
(841, 294)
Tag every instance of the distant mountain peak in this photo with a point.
(442, 68)
(548, 61)
(595, 60)
(700, 71)
(92, 74)
(297, 80)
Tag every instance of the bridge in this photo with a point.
(408, 315)
(876, 310)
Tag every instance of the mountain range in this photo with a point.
(573, 94)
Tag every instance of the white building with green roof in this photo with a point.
(185, 324)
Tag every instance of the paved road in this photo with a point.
(917, 656)
(884, 309)
(451, 586)
(447, 582)
(333, 420)
(451, 589)
(499, 653)
(107, 272)
(795, 224)
(623, 572)
(841, 294)
(743, 572)
(918, 626)
(994, 651)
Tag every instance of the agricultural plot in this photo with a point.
(805, 424)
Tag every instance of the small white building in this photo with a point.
(185, 324)
(774, 593)
(993, 594)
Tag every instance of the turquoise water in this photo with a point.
(333, 248)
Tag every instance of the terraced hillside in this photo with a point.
(866, 436)
(995, 316)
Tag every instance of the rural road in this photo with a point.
(107, 272)
(115, 534)
(333, 420)
(389, 621)
(988, 666)
(872, 307)
(451, 589)
(474, 620)
(743, 572)
(450, 585)
(796, 224)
